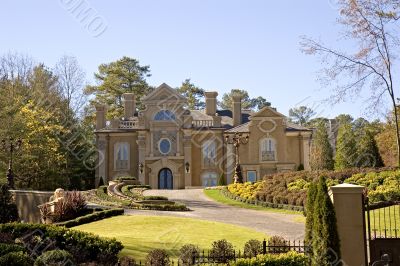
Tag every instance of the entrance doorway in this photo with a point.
(165, 179)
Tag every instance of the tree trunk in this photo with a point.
(397, 131)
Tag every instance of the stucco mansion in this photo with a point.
(168, 146)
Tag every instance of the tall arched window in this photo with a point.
(164, 115)
(268, 149)
(121, 155)
(209, 153)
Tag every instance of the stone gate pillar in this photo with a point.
(349, 207)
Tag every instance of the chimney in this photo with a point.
(236, 110)
(129, 105)
(211, 102)
(100, 116)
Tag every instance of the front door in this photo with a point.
(165, 179)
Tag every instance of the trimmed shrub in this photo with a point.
(84, 247)
(252, 248)
(126, 261)
(55, 258)
(122, 178)
(8, 209)
(7, 248)
(163, 207)
(155, 198)
(222, 251)
(311, 195)
(288, 259)
(221, 180)
(95, 216)
(16, 259)
(278, 244)
(325, 237)
(187, 252)
(157, 257)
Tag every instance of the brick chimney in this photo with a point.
(236, 110)
(211, 102)
(129, 105)
(100, 116)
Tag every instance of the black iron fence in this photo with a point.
(209, 257)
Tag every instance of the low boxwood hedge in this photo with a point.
(7, 248)
(95, 216)
(84, 247)
(16, 259)
(288, 259)
(55, 257)
(155, 198)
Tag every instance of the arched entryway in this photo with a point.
(165, 179)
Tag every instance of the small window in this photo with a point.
(268, 150)
(164, 115)
(164, 146)
(209, 179)
(121, 156)
(251, 176)
(209, 153)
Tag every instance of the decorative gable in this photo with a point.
(164, 93)
(268, 112)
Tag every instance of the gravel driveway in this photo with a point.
(204, 208)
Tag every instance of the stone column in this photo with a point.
(187, 151)
(142, 155)
(349, 206)
(306, 149)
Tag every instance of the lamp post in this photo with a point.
(237, 139)
(10, 146)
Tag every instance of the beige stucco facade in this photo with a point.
(168, 146)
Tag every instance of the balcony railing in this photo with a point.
(202, 123)
(127, 124)
(121, 164)
(268, 156)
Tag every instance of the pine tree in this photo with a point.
(325, 237)
(8, 209)
(346, 150)
(321, 155)
(311, 194)
(367, 150)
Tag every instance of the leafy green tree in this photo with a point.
(346, 149)
(301, 115)
(367, 150)
(193, 94)
(117, 78)
(247, 102)
(344, 118)
(8, 209)
(325, 237)
(321, 154)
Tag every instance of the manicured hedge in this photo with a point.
(7, 248)
(84, 247)
(155, 198)
(101, 192)
(288, 259)
(55, 257)
(16, 259)
(95, 216)
(164, 207)
(290, 188)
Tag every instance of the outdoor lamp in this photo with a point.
(187, 167)
(141, 168)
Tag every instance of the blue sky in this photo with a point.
(220, 45)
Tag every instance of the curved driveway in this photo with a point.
(202, 207)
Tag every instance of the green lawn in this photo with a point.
(381, 220)
(140, 234)
(216, 194)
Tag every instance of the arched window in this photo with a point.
(209, 153)
(268, 149)
(164, 115)
(209, 179)
(121, 155)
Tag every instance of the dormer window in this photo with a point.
(164, 115)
